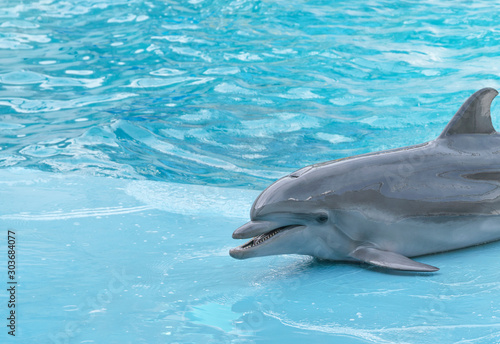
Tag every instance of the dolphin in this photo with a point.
(384, 207)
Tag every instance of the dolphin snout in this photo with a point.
(253, 228)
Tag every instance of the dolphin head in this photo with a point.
(289, 217)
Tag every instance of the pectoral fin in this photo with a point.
(390, 260)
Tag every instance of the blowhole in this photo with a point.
(322, 218)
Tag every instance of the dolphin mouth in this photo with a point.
(240, 251)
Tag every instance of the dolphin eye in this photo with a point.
(322, 218)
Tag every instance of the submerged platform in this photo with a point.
(136, 261)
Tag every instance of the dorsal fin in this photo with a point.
(474, 116)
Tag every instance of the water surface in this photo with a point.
(134, 136)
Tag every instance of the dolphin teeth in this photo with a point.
(263, 237)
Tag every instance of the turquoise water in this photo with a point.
(135, 135)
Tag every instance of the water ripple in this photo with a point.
(46, 81)
(22, 105)
(75, 214)
(210, 78)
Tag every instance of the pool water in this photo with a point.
(135, 135)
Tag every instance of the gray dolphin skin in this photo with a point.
(381, 208)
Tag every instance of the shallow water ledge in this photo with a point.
(139, 261)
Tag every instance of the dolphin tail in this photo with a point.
(390, 260)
